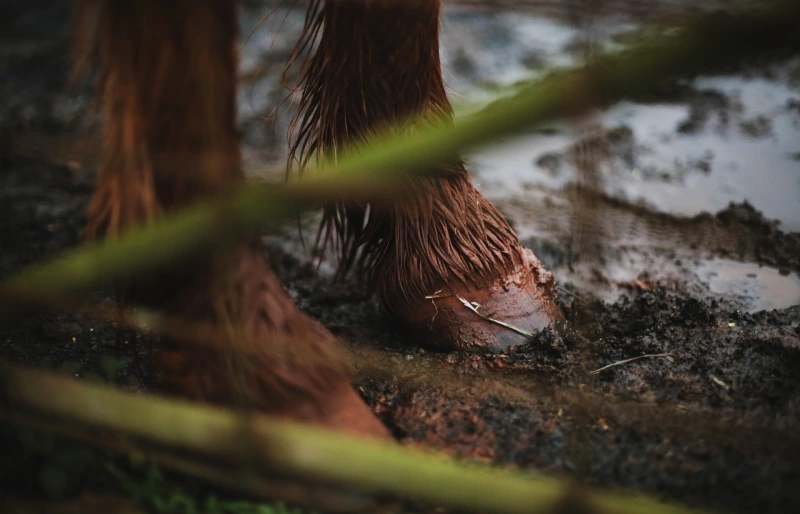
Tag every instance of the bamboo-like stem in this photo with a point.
(238, 480)
(708, 42)
(315, 454)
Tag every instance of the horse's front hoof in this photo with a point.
(506, 312)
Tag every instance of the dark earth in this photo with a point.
(710, 418)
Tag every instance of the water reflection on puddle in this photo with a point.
(762, 287)
(723, 139)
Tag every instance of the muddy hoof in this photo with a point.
(509, 311)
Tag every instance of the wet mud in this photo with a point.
(705, 300)
(708, 417)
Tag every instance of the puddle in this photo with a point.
(744, 152)
(727, 139)
(761, 287)
(732, 139)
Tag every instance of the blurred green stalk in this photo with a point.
(259, 443)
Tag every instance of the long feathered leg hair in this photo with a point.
(374, 66)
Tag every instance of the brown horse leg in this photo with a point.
(377, 65)
(168, 87)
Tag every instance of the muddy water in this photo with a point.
(729, 139)
(723, 139)
(765, 286)
(672, 157)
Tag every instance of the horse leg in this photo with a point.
(168, 88)
(375, 67)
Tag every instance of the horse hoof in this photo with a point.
(507, 312)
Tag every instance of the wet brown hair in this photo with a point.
(167, 86)
(374, 66)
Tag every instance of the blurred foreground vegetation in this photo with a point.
(97, 439)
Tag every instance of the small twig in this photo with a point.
(626, 361)
(719, 382)
(567, 291)
(474, 308)
(441, 293)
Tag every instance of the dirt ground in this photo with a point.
(709, 418)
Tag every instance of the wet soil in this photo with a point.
(711, 422)
(708, 416)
